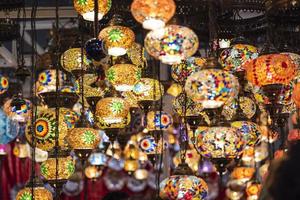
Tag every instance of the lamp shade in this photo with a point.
(172, 44)
(70, 60)
(183, 187)
(243, 173)
(220, 142)
(148, 89)
(148, 145)
(9, 129)
(112, 112)
(47, 80)
(270, 69)
(45, 128)
(157, 120)
(153, 14)
(234, 57)
(66, 167)
(212, 87)
(249, 131)
(86, 8)
(39, 193)
(187, 67)
(20, 113)
(185, 106)
(117, 39)
(296, 95)
(4, 84)
(123, 76)
(83, 138)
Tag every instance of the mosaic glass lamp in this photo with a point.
(86, 8)
(18, 109)
(270, 69)
(45, 128)
(153, 14)
(112, 112)
(212, 87)
(233, 58)
(172, 44)
(148, 89)
(185, 106)
(249, 131)
(4, 84)
(39, 193)
(157, 120)
(183, 185)
(180, 72)
(123, 76)
(117, 39)
(71, 61)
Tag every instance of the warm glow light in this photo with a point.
(123, 76)
(117, 39)
(183, 187)
(171, 44)
(71, 60)
(112, 112)
(83, 138)
(270, 69)
(153, 14)
(39, 193)
(212, 87)
(86, 8)
(148, 89)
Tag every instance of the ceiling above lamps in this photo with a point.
(153, 14)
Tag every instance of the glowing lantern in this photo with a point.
(45, 128)
(112, 112)
(47, 81)
(20, 112)
(234, 58)
(212, 87)
(185, 106)
(243, 173)
(220, 142)
(171, 44)
(249, 131)
(296, 95)
(271, 69)
(66, 167)
(153, 14)
(181, 71)
(39, 193)
(83, 138)
(70, 60)
(253, 191)
(117, 39)
(148, 89)
(86, 8)
(158, 120)
(4, 84)
(123, 76)
(183, 187)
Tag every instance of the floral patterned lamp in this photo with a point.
(45, 126)
(4, 84)
(112, 112)
(183, 185)
(172, 44)
(18, 109)
(212, 87)
(233, 58)
(153, 14)
(57, 175)
(180, 72)
(220, 144)
(117, 39)
(86, 8)
(39, 192)
(250, 131)
(71, 61)
(123, 76)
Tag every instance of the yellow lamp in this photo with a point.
(39, 193)
(112, 112)
(86, 8)
(123, 76)
(153, 14)
(117, 39)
